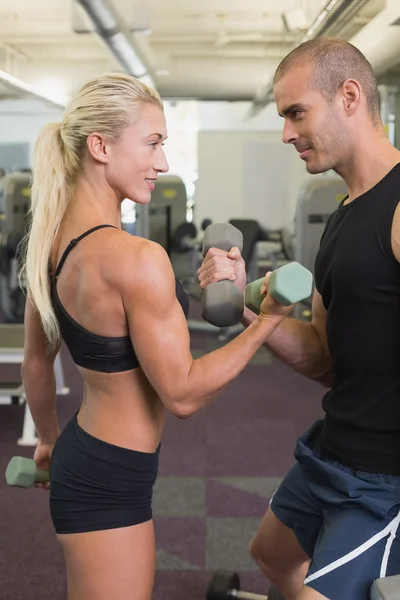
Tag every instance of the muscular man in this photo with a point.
(332, 526)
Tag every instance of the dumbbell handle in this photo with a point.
(42, 476)
(246, 595)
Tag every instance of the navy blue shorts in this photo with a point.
(346, 521)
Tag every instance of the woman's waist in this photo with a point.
(133, 423)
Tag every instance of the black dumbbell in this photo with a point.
(225, 585)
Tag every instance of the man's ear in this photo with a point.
(350, 95)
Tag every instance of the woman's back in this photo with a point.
(114, 299)
(119, 406)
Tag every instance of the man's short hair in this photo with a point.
(334, 62)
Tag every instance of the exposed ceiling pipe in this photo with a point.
(118, 39)
(379, 40)
(335, 12)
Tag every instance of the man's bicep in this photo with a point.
(396, 233)
(319, 316)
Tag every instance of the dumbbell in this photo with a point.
(223, 302)
(225, 585)
(287, 285)
(22, 472)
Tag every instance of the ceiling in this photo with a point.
(219, 49)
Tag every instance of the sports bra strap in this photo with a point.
(73, 243)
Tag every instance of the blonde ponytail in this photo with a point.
(50, 195)
(107, 104)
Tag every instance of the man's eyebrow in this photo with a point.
(292, 108)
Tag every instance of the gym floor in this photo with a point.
(218, 471)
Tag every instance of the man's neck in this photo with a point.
(369, 163)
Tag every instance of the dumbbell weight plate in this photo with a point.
(20, 472)
(183, 232)
(222, 304)
(222, 235)
(222, 584)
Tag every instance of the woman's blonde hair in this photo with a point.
(107, 104)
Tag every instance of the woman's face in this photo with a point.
(137, 157)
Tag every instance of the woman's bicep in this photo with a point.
(158, 328)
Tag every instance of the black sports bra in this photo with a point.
(92, 351)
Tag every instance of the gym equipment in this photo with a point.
(167, 209)
(205, 223)
(288, 284)
(317, 200)
(16, 195)
(222, 302)
(252, 233)
(225, 585)
(12, 352)
(184, 237)
(13, 390)
(186, 256)
(386, 588)
(22, 472)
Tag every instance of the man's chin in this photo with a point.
(314, 168)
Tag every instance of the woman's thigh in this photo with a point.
(113, 564)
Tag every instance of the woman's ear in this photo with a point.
(98, 148)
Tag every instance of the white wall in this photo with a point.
(244, 169)
(234, 116)
(247, 175)
(22, 120)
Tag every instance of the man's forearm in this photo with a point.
(298, 344)
(40, 389)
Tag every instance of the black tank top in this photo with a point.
(358, 277)
(89, 350)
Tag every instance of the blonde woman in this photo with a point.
(114, 300)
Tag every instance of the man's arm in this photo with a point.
(303, 346)
(396, 233)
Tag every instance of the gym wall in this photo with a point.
(22, 121)
(248, 175)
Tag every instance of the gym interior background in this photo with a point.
(212, 64)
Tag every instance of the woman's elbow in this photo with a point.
(180, 408)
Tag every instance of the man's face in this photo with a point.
(312, 125)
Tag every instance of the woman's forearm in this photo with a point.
(40, 389)
(214, 371)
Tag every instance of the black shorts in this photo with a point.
(95, 485)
